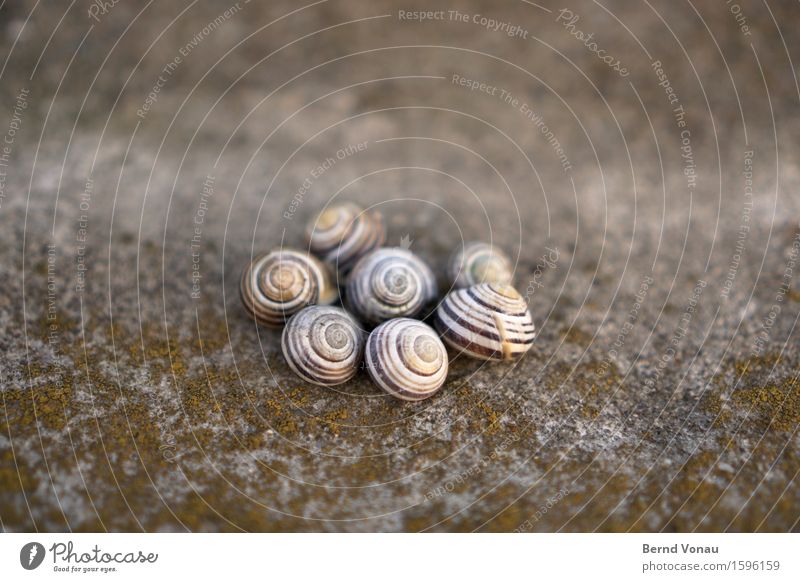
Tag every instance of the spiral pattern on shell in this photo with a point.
(323, 345)
(487, 321)
(479, 262)
(280, 283)
(407, 359)
(387, 283)
(343, 233)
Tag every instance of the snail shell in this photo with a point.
(323, 345)
(479, 262)
(343, 233)
(407, 359)
(387, 283)
(487, 321)
(280, 283)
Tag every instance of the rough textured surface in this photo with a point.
(659, 260)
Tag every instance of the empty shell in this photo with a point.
(487, 321)
(280, 283)
(479, 262)
(407, 359)
(323, 345)
(343, 233)
(387, 283)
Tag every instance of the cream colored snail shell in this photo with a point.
(323, 345)
(280, 283)
(479, 262)
(487, 321)
(387, 283)
(343, 233)
(406, 358)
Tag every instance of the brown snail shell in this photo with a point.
(280, 283)
(487, 321)
(343, 233)
(388, 283)
(323, 345)
(479, 262)
(407, 359)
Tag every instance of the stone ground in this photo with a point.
(652, 210)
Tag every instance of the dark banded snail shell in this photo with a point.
(343, 233)
(280, 283)
(479, 262)
(323, 345)
(407, 359)
(387, 283)
(487, 321)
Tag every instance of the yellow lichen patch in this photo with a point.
(277, 417)
(159, 352)
(492, 418)
(333, 419)
(774, 406)
(300, 397)
(482, 417)
(748, 392)
(590, 412)
(756, 364)
(45, 402)
(713, 404)
(198, 396)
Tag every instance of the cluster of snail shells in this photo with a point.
(343, 233)
(278, 284)
(482, 317)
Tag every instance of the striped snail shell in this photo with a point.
(387, 283)
(488, 321)
(479, 262)
(343, 233)
(406, 358)
(280, 283)
(323, 345)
